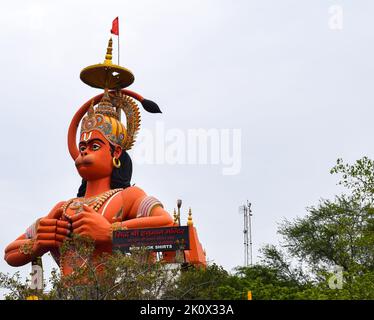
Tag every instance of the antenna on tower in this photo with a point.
(245, 209)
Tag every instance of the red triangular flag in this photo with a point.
(115, 29)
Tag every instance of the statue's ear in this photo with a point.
(117, 152)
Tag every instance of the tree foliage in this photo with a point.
(334, 233)
(108, 277)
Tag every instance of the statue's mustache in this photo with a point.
(86, 160)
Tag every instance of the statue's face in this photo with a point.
(95, 160)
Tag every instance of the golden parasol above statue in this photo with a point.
(107, 75)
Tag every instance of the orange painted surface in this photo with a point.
(196, 254)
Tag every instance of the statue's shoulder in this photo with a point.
(132, 193)
(132, 196)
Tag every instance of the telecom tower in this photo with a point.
(245, 209)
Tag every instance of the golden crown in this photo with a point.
(106, 118)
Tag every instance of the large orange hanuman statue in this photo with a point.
(105, 200)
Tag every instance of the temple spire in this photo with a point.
(189, 220)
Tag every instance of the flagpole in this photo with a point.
(118, 40)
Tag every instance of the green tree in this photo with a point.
(337, 232)
(198, 283)
(109, 277)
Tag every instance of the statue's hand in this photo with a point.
(90, 223)
(50, 234)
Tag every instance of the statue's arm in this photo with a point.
(142, 211)
(44, 235)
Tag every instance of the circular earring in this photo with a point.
(116, 162)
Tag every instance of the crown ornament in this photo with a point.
(106, 118)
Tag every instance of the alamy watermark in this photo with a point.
(213, 146)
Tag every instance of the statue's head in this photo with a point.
(104, 141)
(97, 156)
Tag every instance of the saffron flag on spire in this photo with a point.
(115, 28)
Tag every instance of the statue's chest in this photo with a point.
(111, 208)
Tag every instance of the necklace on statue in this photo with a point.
(76, 204)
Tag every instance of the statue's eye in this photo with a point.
(96, 147)
(82, 148)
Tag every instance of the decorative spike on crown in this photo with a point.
(91, 111)
(106, 108)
